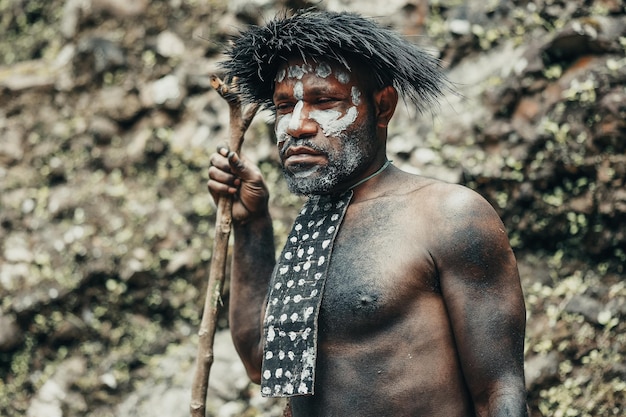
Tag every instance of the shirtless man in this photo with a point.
(421, 310)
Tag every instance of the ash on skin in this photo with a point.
(335, 126)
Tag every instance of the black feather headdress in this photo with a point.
(345, 38)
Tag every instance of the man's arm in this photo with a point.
(253, 255)
(483, 296)
(253, 262)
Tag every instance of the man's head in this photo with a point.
(332, 80)
(329, 130)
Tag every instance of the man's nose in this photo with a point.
(301, 125)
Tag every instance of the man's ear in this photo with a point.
(385, 101)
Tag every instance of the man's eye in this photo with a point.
(284, 107)
(327, 101)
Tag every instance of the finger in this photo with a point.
(223, 150)
(219, 188)
(222, 176)
(219, 161)
(239, 167)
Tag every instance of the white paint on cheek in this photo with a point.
(325, 118)
(281, 75)
(281, 128)
(331, 122)
(298, 91)
(323, 70)
(356, 96)
(294, 123)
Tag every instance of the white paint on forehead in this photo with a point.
(280, 76)
(298, 90)
(356, 96)
(323, 70)
(331, 122)
(294, 123)
(343, 77)
(297, 71)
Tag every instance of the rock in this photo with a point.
(108, 104)
(52, 398)
(166, 91)
(12, 149)
(28, 75)
(227, 388)
(541, 369)
(167, 390)
(62, 201)
(11, 275)
(10, 333)
(231, 409)
(589, 307)
(97, 55)
(460, 27)
(589, 35)
(102, 129)
(617, 307)
(374, 9)
(71, 17)
(180, 260)
(67, 331)
(17, 249)
(169, 45)
(120, 8)
(618, 371)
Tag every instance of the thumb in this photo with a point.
(240, 167)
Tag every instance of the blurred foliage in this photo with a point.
(28, 27)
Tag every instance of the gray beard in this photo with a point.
(358, 152)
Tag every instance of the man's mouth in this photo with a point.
(302, 158)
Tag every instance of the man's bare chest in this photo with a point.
(379, 269)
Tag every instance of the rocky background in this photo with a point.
(107, 120)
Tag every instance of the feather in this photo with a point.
(345, 38)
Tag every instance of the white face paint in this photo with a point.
(297, 71)
(332, 122)
(356, 96)
(323, 70)
(343, 77)
(280, 76)
(296, 116)
(298, 91)
(281, 128)
(354, 154)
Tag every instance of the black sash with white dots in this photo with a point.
(290, 325)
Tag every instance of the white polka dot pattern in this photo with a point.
(290, 326)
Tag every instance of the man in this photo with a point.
(395, 294)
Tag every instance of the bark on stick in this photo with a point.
(240, 120)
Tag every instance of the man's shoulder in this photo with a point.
(448, 206)
(442, 194)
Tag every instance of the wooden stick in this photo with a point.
(239, 122)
